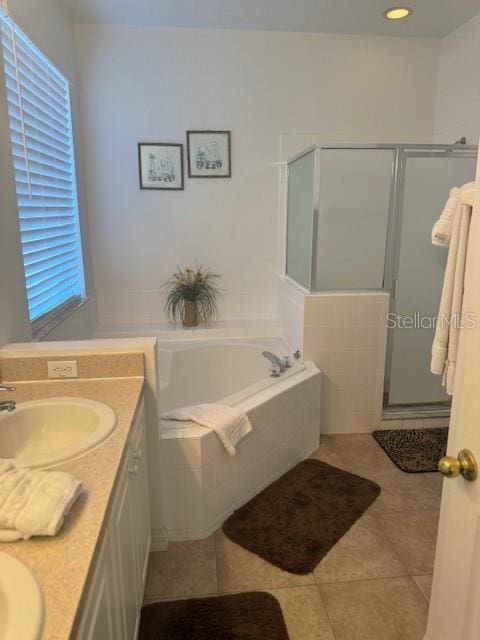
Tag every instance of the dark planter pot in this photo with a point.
(190, 316)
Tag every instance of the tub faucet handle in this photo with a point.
(287, 363)
(297, 354)
(274, 372)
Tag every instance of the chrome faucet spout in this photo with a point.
(8, 405)
(275, 360)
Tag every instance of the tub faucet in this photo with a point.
(8, 405)
(275, 360)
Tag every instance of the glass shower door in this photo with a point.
(428, 178)
(355, 194)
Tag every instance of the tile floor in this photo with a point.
(373, 585)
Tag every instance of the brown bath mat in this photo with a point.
(295, 521)
(414, 450)
(243, 616)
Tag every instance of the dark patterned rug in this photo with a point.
(295, 521)
(244, 616)
(414, 450)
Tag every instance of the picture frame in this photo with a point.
(209, 154)
(160, 166)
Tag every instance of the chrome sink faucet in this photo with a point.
(7, 405)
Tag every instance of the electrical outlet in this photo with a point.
(63, 369)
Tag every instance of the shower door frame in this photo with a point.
(387, 267)
(392, 243)
(404, 152)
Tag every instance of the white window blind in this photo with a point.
(43, 158)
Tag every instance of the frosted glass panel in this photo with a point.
(300, 219)
(428, 181)
(353, 218)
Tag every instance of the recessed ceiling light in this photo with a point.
(397, 13)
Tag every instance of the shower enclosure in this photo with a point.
(359, 217)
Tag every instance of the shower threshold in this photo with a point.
(406, 412)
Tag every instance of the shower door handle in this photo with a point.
(394, 289)
(464, 465)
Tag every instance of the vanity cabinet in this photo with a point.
(115, 591)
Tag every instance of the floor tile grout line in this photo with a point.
(392, 544)
(316, 584)
(411, 572)
(272, 588)
(423, 594)
(216, 560)
(329, 619)
(339, 582)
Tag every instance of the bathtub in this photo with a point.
(201, 484)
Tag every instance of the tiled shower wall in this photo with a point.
(345, 335)
(290, 312)
(145, 307)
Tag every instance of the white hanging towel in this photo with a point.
(34, 503)
(230, 424)
(453, 232)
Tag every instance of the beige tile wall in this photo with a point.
(290, 311)
(345, 335)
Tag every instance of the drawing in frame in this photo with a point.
(160, 165)
(209, 154)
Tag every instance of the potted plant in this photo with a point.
(192, 296)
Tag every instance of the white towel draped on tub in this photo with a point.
(34, 503)
(230, 424)
(455, 234)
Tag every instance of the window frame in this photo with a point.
(47, 321)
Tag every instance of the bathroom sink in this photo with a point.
(21, 601)
(42, 433)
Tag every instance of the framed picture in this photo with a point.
(209, 154)
(160, 165)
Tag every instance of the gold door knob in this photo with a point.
(465, 464)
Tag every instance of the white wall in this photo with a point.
(457, 111)
(51, 28)
(13, 302)
(152, 84)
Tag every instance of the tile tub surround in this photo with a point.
(138, 306)
(173, 332)
(290, 310)
(202, 485)
(61, 564)
(345, 335)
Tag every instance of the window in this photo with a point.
(38, 99)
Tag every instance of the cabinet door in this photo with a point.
(99, 614)
(124, 531)
(142, 501)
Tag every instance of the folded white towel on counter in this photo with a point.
(34, 503)
(230, 424)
